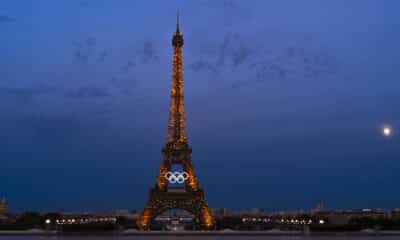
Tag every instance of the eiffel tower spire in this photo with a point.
(177, 22)
(177, 122)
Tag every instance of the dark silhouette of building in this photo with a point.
(188, 195)
(3, 210)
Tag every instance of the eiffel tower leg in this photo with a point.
(206, 219)
(191, 183)
(146, 217)
(162, 182)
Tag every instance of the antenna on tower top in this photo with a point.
(177, 21)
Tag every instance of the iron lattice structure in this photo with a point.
(190, 197)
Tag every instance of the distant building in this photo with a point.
(343, 217)
(221, 212)
(318, 208)
(395, 214)
(128, 214)
(77, 219)
(3, 210)
(376, 213)
(250, 212)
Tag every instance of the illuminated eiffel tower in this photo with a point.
(188, 196)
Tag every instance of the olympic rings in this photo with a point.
(176, 177)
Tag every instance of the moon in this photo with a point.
(387, 131)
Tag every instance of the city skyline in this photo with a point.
(287, 104)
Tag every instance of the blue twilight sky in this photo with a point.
(285, 101)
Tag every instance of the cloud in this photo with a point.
(262, 62)
(84, 3)
(230, 54)
(88, 92)
(85, 50)
(267, 69)
(102, 56)
(128, 66)
(200, 65)
(124, 85)
(231, 10)
(223, 49)
(90, 41)
(50, 128)
(240, 55)
(229, 4)
(81, 56)
(29, 93)
(23, 94)
(141, 53)
(294, 62)
(148, 52)
(6, 19)
(45, 132)
(26, 94)
(233, 51)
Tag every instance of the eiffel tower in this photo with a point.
(188, 196)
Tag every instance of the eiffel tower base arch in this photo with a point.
(161, 201)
